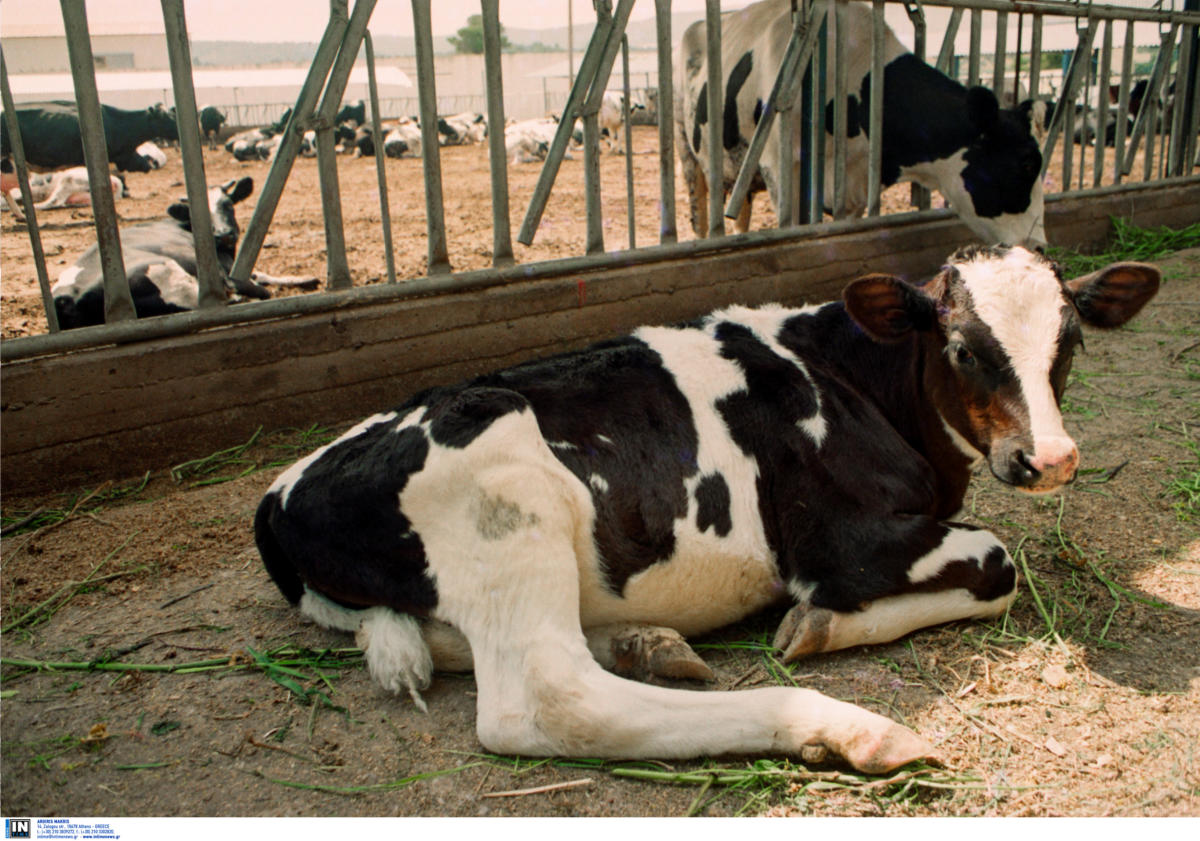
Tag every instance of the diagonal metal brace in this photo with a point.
(783, 96)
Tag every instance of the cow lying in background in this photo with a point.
(64, 188)
(528, 141)
(937, 133)
(155, 157)
(160, 264)
(601, 503)
(462, 129)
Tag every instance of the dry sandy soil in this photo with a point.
(1084, 700)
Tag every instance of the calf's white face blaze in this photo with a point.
(1021, 302)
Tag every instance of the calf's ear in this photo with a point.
(887, 308)
(180, 212)
(1113, 295)
(983, 109)
(239, 189)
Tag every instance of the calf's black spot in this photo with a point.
(701, 118)
(737, 77)
(342, 531)
(461, 416)
(712, 505)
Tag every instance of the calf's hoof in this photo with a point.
(803, 631)
(641, 652)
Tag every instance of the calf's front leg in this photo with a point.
(968, 575)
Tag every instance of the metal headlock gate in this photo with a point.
(800, 82)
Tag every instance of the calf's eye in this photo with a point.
(964, 357)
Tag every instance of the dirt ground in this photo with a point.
(171, 677)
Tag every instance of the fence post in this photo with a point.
(289, 146)
(35, 234)
(667, 231)
(209, 274)
(118, 302)
(502, 249)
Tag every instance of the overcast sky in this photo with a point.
(304, 20)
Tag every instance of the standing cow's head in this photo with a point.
(162, 122)
(220, 207)
(1000, 326)
(996, 186)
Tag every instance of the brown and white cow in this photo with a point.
(983, 159)
(590, 508)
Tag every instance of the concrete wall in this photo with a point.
(114, 412)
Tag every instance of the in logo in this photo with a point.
(16, 827)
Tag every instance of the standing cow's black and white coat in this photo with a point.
(983, 159)
(567, 511)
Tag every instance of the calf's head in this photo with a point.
(999, 327)
(998, 190)
(220, 207)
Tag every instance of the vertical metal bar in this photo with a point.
(289, 145)
(1102, 109)
(947, 51)
(337, 267)
(628, 142)
(875, 134)
(1193, 102)
(840, 60)
(590, 112)
(588, 68)
(31, 223)
(1016, 76)
(118, 302)
(1035, 57)
(1064, 110)
(667, 231)
(431, 157)
(1123, 103)
(820, 64)
(973, 60)
(209, 274)
(1151, 128)
(784, 92)
(502, 249)
(716, 150)
(385, 211)
(999, 58)
(786, 210)
(1153, 90)
(918, 195)
(1183, 93)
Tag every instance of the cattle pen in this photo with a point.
(181, 385)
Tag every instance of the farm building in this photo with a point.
(116, 45)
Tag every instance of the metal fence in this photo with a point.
(1167, 143)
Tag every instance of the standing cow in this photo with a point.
(937, 133)
(601, 503)
(51, 137)
(211, 119)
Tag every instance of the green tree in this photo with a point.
(470, 37)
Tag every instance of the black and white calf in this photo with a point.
(550, 518)
(983, 159)
(160, 264)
